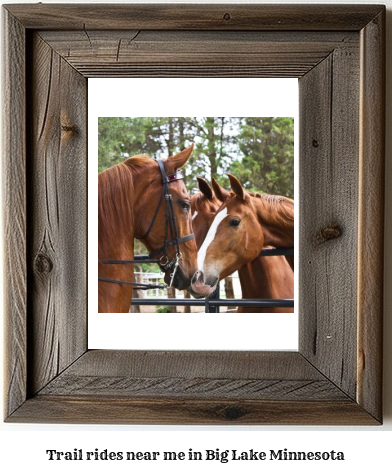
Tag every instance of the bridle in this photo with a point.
(170, 230)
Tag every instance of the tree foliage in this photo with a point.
(258, 150)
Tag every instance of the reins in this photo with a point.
(170, 229)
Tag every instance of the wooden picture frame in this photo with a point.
(337, 52)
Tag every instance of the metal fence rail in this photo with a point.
(263, 253)
(214, 302)
(278, 251)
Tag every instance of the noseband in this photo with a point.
(170, 229)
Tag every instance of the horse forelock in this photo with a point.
(200, 203)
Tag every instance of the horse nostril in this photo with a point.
(195, 278)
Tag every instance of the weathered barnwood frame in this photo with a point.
(337, 52)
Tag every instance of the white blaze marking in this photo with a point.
(194, 215)
(210, 237)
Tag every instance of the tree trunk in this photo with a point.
(187, 309)
(135, 308)
(229, 289)
(171, 293)
(170, 140)
(210, 124)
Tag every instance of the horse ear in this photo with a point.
(176, 162)
(220, 192)
(205, 188)
(236, 186)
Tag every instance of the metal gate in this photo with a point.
(213, 302)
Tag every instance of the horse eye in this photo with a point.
(185, 205)
(234, 222)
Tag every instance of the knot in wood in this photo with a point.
(232, 413)
(328, 233)
(43, 264)
(315, 143)
(69, 128)
(227, 16)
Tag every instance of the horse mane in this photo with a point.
(137, 161)
(281, 207)
(115, 191)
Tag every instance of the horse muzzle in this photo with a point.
(202, 287)
(180, 280)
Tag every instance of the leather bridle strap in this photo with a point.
(170, 225)
(136, 286)
(170, 244)
(150, 257)
(170, 217)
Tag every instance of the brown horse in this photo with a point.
(241, 227)
(131, 204)
(265, 277)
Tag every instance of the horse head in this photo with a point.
(164, 222)
(144, 199)
(234, 238)
(270, 278)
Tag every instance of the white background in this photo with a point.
(180, 98)
(367, 449)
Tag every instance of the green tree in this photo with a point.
(266, 161)
(213, 146)
(258, 150)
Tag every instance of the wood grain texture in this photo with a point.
(201, 53)
(57, 213)
(195, 17)
(371, 216)
(329, 198)
(122, 410)
(14, 212)
(208, 364)
(336, 376)
(201, 387)
(193, 387)
(205, 374)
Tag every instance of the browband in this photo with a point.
(174, 177)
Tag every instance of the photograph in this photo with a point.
(195, 208)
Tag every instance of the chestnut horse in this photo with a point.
(238, 230)
(265, 277)
(133, 200)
